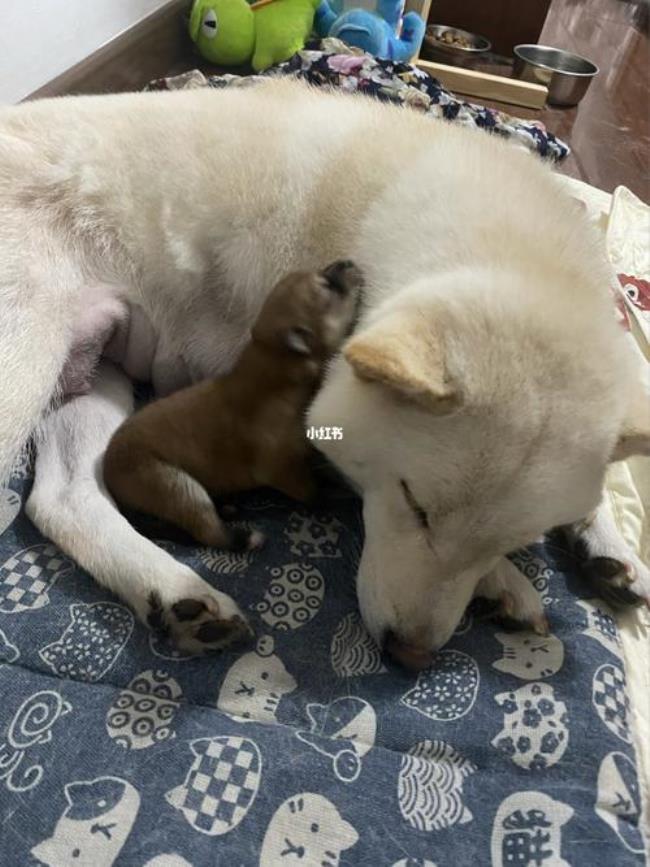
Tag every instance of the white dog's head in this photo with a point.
(471, 425)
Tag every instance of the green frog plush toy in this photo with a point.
(232, 32)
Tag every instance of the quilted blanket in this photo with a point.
(306, 747)
(332, 63)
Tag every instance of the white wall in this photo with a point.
(40, 39)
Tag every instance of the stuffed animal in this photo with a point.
(377, 33)
(232, 32)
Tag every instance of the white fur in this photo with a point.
(180, 210)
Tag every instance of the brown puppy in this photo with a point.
(243, 430)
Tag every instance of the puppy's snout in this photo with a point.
(411, 656)
(343, 277)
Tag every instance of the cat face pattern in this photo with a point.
(91, 643)
(9, 508)
(255, 684)
(293, 596)
(610, 698)
(94, 825)
(529, 656)
(314, 537)
(221, 784)
(619, 800)
(344, 730)
(534, 733)
(600, 624)
(27, 576)
(527, 831)
(307, 830)
(353, 651)
(430, 786)
(447, 690)
(143, 714)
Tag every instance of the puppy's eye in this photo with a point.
(299, 339)
(419, 512)
(209, 25)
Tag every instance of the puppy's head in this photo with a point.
(309, 313)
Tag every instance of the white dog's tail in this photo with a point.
(35, 333)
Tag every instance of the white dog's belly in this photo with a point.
(111, 327)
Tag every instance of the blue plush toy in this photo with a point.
(375, 33)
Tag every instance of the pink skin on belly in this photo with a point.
(107, 326)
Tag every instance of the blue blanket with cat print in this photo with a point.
(307, 747)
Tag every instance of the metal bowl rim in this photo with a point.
(473, 49)
(517, 54)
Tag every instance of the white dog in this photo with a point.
(481, 398)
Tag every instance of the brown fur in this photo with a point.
(241, 431)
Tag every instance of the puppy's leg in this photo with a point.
(519, 601)
(137, 479)
(294, 478)
(70, 504)
(615, 570)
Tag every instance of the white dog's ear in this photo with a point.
(635, 436)
(404, 354)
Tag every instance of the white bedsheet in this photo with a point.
(625, 223)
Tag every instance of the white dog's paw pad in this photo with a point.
(614, 581)
(196, 625)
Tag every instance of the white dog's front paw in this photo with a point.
(197, 618)
(519, 604)
(640, 580)
(619, 583)
(612, 567)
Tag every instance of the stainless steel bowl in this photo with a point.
(566, 75)
(458, 55)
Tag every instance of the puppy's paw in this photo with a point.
(243, 539)
(199, 624)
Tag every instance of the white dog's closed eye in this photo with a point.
(419, 512)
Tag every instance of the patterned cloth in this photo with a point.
(334, 64)
(307, 747)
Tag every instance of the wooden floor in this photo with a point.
(609, 132)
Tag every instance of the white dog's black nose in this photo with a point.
(410, 656)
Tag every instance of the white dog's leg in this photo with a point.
(34, 341)
(616, 571)
(71, 506)
(517, 597)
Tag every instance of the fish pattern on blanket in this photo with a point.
(306, 747)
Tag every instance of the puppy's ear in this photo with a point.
(299, 340)
(403, 353)
(634, 438)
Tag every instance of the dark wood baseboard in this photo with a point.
(132, 59)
